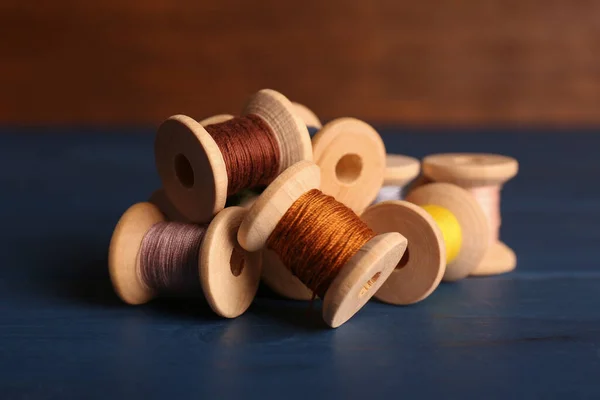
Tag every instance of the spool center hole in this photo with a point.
(184, 171)
(237, 261)
(404, 260)
(348, 168)
(367, 286)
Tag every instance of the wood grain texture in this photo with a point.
(466, 61)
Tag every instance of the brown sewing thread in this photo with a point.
(169, 257)
(250, 151)
(316, 237)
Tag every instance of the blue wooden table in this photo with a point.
(64, 334)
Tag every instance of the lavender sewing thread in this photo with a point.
(169, 257)
(389, 193)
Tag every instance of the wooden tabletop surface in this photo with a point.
(64, 334)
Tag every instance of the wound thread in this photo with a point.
(250, 151)
(392, 192)
(389, 193)
(169, 257)
(451, 230)
(316, 237)
(488, 198)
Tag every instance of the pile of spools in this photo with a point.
(254, 197)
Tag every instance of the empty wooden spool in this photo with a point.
(351, 156)
(423, 264)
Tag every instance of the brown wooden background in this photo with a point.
(139, 61)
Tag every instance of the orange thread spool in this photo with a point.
(316, 237)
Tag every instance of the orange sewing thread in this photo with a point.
(316, 237)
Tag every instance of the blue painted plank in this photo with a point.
(64, 334)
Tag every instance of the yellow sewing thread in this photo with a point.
(450, 228)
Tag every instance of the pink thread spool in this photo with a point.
(227, 274)
(483, 175)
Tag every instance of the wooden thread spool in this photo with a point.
(486, 173)
(358, 279)
(351, 155)
(245, 197)
(399, 170)
(423, 264)
(426, 261)
(215, 119)
(274, 274)
(458, 211)
(339, 139)
(307, 116)
(192, 168)
(417, 274)
(160, 199)
(229, 276)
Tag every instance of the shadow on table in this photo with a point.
(302, 315)
(76, 271)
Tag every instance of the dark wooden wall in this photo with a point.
(139, 61)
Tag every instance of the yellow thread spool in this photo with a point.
(474, 230)
(451, 230)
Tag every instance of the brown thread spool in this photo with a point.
(196, 173)
(227, 274)
(483, 175)
(160, 199)
(358, 279)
